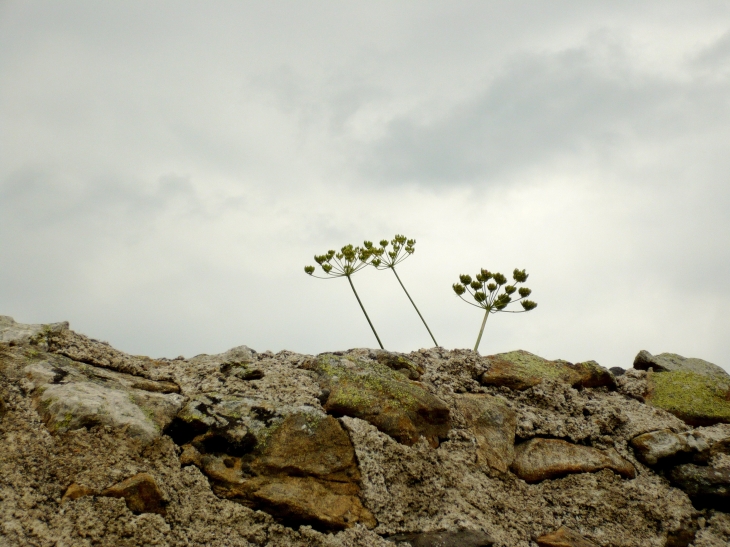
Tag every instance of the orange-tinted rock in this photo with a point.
(309, 501)
(76, 491)
(373, 392)
(493, 424)
(564, 537)
(540, 459)
(141, 494)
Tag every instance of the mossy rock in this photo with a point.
(697, 399)
(374, 392)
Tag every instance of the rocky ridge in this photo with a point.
(356, 448)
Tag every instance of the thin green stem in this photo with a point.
(366, 313)
(484, 322)
(414, 306)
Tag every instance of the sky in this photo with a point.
(167, 169)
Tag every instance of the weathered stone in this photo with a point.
(493, 424)
(650, 448)
(405, 366)
(13, 332)
(521, 370)
(617, 371)
(76, 491)
(706, 486)
(368, 390)
(141, 494)
(304, 500)
(671, 362)
(308, 444)
(540, 459)
(564, 537)
(461, 538)
(3, 408)
(697, 399)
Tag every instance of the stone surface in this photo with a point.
(460, 538)
(141, 494)
(520, 370)
(564, 537)
(369, 390)
(697, 399)
(540, 459)
(493, 424)
(12, 332)
(225, 485)
(651, 448)
(707, 486)
(671, 362)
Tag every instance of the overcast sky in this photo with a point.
(167, 169)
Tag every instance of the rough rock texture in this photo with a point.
(540, 459)
(564, 537)
(277, 450)
(671, 362)
(697, 399)
(460, 538)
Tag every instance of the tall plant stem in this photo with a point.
(366, 313)
(479, 338)
(414, 306)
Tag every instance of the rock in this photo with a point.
(520, 370)
(540, 459)
(564, 537)
(461, 538)
(671, 362)
(76, 491)
(3, 408)
(706, 486)
(303, 471)
(493, 424)
(371, 391)
(697, 399)
(617, 371)
(655, 446)
(141, 494)
(298, 500)
(14, 333)
(399, 363)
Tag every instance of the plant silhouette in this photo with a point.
(346, 263)
(384, 259)
(488, 296)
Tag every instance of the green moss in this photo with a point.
(526, 365)
(693, 397)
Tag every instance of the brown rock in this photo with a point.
(655, 446)
(540, 459)
(373, 392)
(461, 538)
(520, 370)
(564, 537)
(308, 445)
(706, 486)
(304, 500)
(141, 494)
(493, 424)
(3, 408)
(76, 491)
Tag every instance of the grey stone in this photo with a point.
(10, 331)
(706, 486)
(670, 362)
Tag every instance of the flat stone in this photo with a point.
(141, 494)
(461, 538)
(304, 500)
(655, 446)
(671, 362)
(373, 392)
(493, 424)
(706, 486)
(540, 459)
(400, 363)
(697, 399)
(564, 537)
(76, 491)
(520, 370)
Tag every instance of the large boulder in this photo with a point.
(520, 370)
(376, 393)
(493, 425)
(671, 362)
(540, 459)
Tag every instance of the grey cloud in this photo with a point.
(542, 108)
